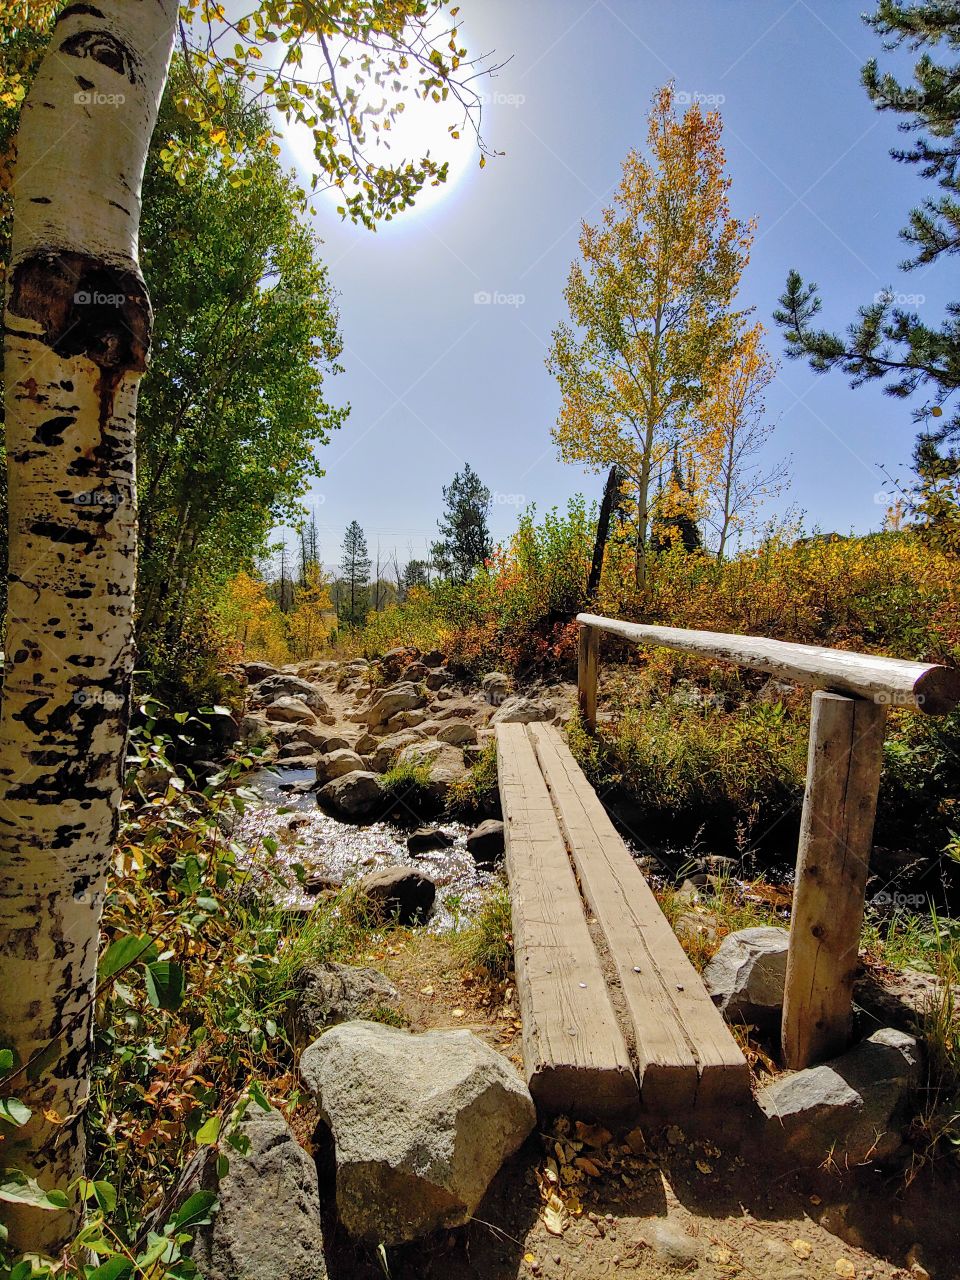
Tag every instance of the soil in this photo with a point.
(667, 1203)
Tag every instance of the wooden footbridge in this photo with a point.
(614, 1016)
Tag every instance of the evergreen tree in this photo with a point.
(675, 522)
(888, 342)
(355, 574)
(465, 541)
(416, 573)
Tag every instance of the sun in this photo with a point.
(422, 129)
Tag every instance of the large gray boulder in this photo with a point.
(746, 976)
(486, 842)
(380, 707)
(386, 751)
(496, 687)
(336, 763)
(268, 1223)
(420, 1124)
(845, 1108)
(354, 795)
(332, 993)
(282, 685)
(400, 891)
(523, 710)
(443, 762)
(289, 710)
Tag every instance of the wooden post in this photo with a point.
(836, 833)
(587, 676)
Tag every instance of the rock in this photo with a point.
(253, 726)
(671, 1244)
(745, 978)
(522, 710)
(354, 795)
(332, 993)
(400, 891)
(486, 842)
(390, 747)
(426, 838)
(459, 733)
(280, 686)
(433, 658)
(338, 763)
(379, 707)
(257, 671)
(324, 741)
(435, 680)
(305, 762)
(316, 882)
(268, 1223)
(414, 671)
(394, 660)
(293, 749)
(462, 709)
(365, 744)
(496, 687)
(420, 1125)
(288, 710)
(844, 1108)
(895, 997)
(445, 763)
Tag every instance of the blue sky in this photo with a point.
(436, 378)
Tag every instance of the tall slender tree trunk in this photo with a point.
(78, 325)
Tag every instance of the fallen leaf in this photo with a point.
(594, 1135)
(802, 1248)
(459, 1013)
(636, 1141)
(704, 1167)
(589, 1168)
(529, 1257)
(426, 991)
(675, 1135)
(555, 1216)
(844, 1267)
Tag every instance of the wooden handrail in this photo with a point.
(852, 692)
(925, 686)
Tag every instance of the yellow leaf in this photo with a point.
(555, 1216)
(589, 1168)
(704, 1167)
(529, 1257)
(802, 1248)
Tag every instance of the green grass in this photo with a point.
(476, 793)
(486, 943)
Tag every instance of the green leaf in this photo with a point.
(6, 1059)
(209, 1132)
(165, 985)
(106, 1195)
(112, 1269)
(125, 951)
(14, 1112)
(195, 1211)
(16, 1188)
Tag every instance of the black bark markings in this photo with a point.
(81, 10)
(64, 534)
(50, 433)
(106, 48)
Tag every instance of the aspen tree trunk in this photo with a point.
(78, 324)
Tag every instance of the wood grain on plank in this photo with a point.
(574, 1052)
(686, 1054)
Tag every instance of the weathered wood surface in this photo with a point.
(574, 1052)
(686, 1054)
(886, 681)
(587, 674)
(836, 834)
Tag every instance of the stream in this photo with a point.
(342, 851)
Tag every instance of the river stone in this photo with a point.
(380, 707)
(424, 839)
(486, 842)
(387, 749)
(331, 993)
(336, 763)
(357, 795)
(244, 1242)
(523, 710)
(844, 1108)
(420, 1125)
(282, 685)
(289, 710)
(459, 733)
(257, 671)
(400, 891)
(496, 687)
(746, 976)
(444, 762)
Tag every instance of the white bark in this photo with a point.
(77, 337)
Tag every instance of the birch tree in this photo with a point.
(651, 306)
(78, 327)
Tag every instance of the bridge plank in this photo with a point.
(686, 1054)
(574, 1052)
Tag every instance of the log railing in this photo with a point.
(852, 692)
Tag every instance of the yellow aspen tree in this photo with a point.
(651, 307)
(733, 434)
